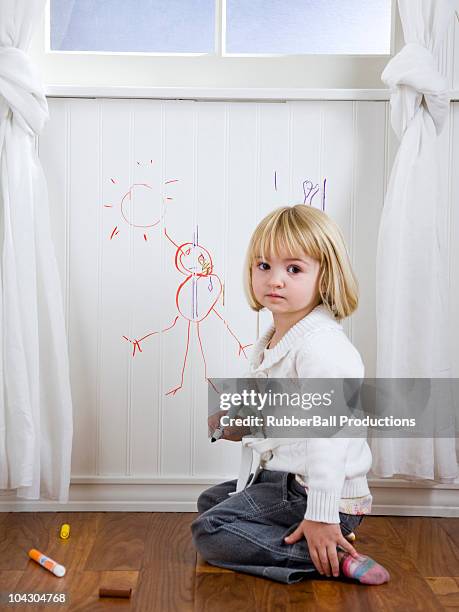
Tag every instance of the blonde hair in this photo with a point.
(304, 229)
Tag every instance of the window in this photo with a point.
(247, 26)
(148, 26)
(314, 26)
(214, 44)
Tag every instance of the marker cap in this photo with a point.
(59, 570)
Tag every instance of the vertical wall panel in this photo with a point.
(148, 207)
(179, 162)
(368, 201)
(243, 202)
(115, 287)
(212, 212)
(306, 151)
(85, 218)
(274, 156)
(454, 239)
(455, 46)
(54, 153)
(338, 163)
(338, 167)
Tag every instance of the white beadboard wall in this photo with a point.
(224, 155)
(134, 447)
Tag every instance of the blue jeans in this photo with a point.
(245, 532)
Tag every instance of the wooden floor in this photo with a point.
(153, 554)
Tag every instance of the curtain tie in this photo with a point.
(22, 91)
(412, 75)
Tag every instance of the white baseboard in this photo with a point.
(392, 497)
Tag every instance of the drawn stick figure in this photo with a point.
(309, 191)
(195, 299)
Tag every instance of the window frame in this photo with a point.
(217, 69)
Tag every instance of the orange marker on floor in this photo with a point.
(49, 564)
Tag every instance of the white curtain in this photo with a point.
(411, 279)
(35, 403)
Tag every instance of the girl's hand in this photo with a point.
(234, 434)
(322, 539)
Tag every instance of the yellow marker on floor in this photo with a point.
(65, 531)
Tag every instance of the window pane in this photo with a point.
(308, 26)
(161, 26)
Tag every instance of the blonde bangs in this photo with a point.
(280, 232)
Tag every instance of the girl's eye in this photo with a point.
(294, 269)
(263, 266)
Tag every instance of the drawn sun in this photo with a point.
(142, 206)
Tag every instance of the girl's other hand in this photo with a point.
(234, 434)
(322, 539)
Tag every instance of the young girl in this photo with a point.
(305, 495)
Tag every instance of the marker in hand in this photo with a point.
(218, 433)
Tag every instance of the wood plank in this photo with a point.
(451, 526)
(120, 541)
(166, 580)
(378, 538)
(224, 592)
(427, 544)
(331, 594)
(231, 591)
(20, 532)
(9, 579)
(202, 567)
(374, 534)
(446, 590)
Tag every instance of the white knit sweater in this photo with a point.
(332, 468)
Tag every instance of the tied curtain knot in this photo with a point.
(21, 91)
(412, 75)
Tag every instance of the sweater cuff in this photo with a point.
(323, 506)
(357, 487)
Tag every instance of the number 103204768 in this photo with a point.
(39, 598)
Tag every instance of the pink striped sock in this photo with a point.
(364, 569)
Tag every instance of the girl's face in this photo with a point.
(284, 285)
